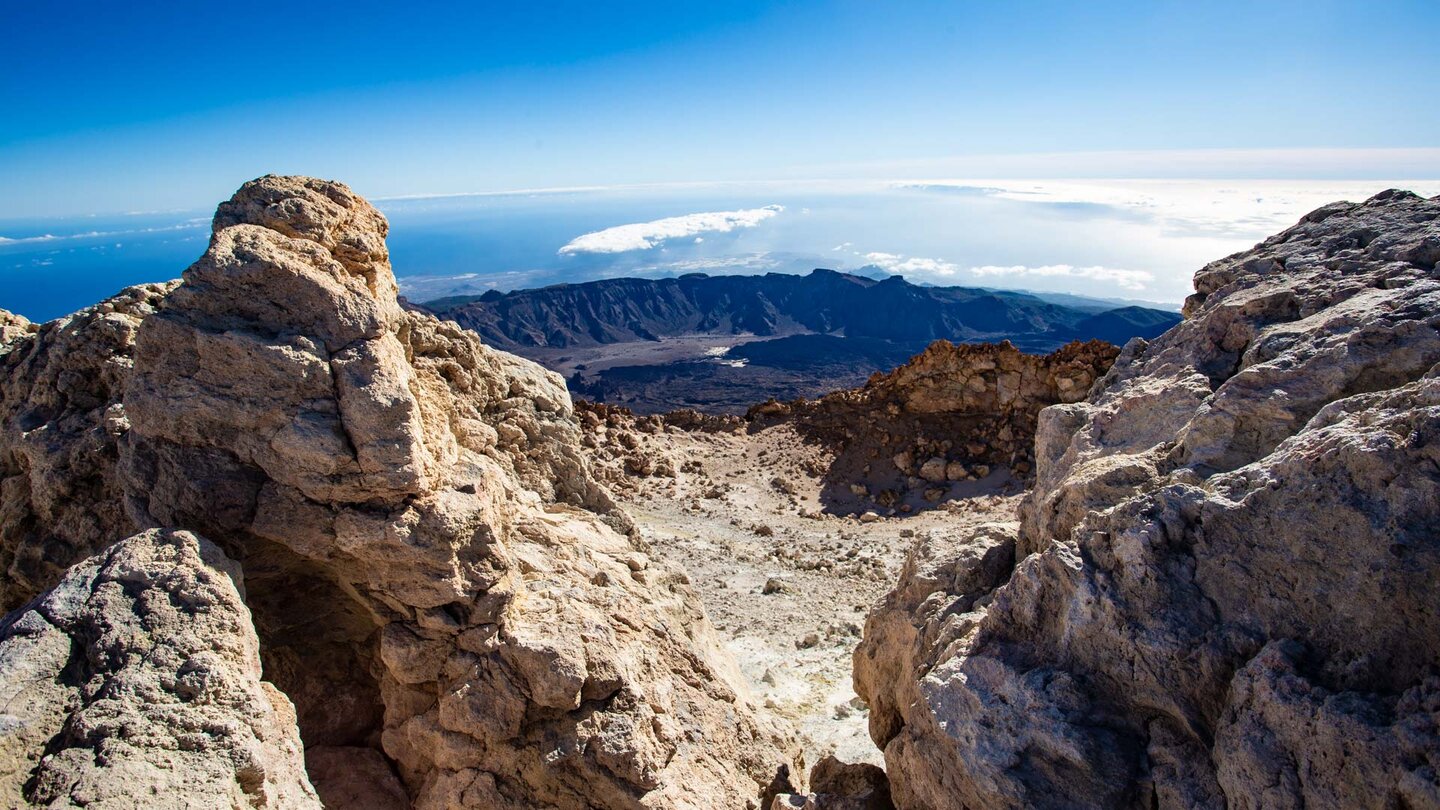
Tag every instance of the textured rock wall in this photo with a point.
(135, 682)
(418, 510)
(452, 602)
(1224, 594)
(61, 424)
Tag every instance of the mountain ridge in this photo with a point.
(777, 304)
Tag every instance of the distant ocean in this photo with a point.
(1131, 240)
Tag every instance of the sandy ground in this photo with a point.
(787, 586)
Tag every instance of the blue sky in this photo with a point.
(111, 107)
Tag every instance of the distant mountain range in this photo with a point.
(723, 343)
(776, 304)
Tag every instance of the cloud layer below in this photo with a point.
(50, 237)
(913, 265)
(647, 235)
(1226, 209)
(1124, 279)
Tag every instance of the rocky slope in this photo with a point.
(947, 424)
(1221, 590)
(61, 423)
(952, 414)
(450, 600)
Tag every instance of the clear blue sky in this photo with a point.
(118, 106)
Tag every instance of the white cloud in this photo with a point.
(896, 263)
(752, 262)
(646, 235)
(50, 237)
(1125, 279)
(1236, 209)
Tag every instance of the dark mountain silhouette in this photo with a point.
(660, 344)
(825, 302)
(1119, 325)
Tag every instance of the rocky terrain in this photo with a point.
(456, 613)
(722, 343)
(787, 581)
(271, 539)
(952, 415)
(1221, 591)
(732, 376)
(795, 519)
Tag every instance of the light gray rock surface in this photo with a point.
(135, 682)
(1225, 589)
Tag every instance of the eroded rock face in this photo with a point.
(61, 423)
(953, 413)
(434, 573)
(1225, 588)
(135, 681)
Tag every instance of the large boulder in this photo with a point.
(1224, 593)
(135, 681)
(435, 575)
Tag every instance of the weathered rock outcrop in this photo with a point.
(449, 598)
(951, 414)
(1225, 594)
(136, 682)
(14, 327)
(61, 423)
(837, 785)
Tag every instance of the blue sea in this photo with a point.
(1120, 240)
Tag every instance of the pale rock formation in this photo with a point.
(61, 423)
(1225, 594)
(434, 573)
(13, 327)
(135, 682)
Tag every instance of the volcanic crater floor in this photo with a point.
(786, 584)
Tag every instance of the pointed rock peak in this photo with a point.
(325, 212)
